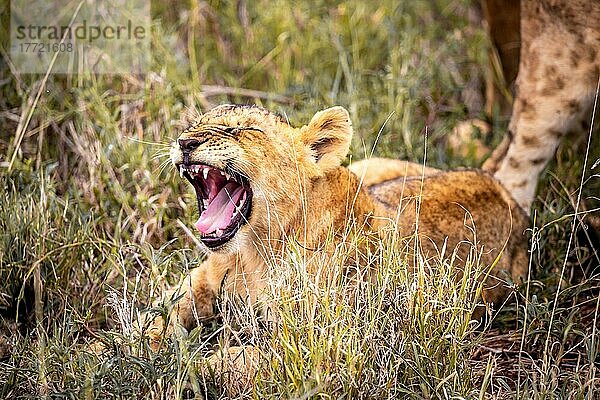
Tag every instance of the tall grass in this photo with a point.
(92, 207)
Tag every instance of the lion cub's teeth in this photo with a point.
(219, 232)
(181, 171)
(227, 176)
(205, 203)
(238, 207)
(205, 172)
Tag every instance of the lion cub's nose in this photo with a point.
(188, 144)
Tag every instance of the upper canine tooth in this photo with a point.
(227, 176)
(205, 172)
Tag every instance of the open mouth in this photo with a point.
(224, 202)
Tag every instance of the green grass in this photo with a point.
(92, 206)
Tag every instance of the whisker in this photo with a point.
(159, 144)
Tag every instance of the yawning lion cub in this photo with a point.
(260, 183)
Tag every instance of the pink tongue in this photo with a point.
(219, 212)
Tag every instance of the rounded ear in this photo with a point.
(328, 137)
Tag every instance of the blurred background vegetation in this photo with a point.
(89, 199)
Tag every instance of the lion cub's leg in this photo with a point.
(376, 170)
(199, 291)
(558, 74)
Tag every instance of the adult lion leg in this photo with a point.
(503, 18)
(558, 74)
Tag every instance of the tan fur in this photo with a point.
(376, 170)
(302, 193)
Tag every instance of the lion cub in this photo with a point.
(259, 182)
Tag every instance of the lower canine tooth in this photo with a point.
(181, 171)
(219, 232)
(205, 203)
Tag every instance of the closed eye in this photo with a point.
(251, 128)
(233, 129)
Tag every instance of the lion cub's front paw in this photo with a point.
(184, 310)
(153, 327)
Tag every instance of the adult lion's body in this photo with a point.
(298, 191)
